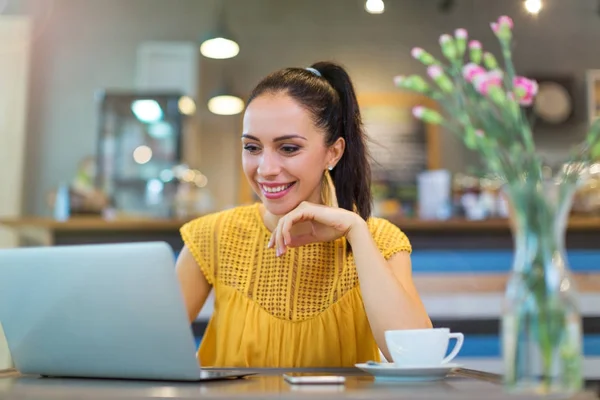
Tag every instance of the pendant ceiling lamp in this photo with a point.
(375, 6)
(225, 104)
(223, 101)
(219, 43)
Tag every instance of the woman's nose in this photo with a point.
(269, 165)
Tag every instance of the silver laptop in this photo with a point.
(99, 311)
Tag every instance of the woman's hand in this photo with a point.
(321, 224)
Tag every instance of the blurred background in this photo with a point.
(88, 59)
(120, 120)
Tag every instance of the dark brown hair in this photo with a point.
(330, 97)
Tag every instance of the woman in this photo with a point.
(305, 278)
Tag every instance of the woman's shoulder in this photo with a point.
(388, 236)
(379, 224)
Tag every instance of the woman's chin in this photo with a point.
(279, 207)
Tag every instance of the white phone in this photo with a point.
(298, 378)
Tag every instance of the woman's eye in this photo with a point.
(289, 149)
(252, 148)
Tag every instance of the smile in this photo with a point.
(276, 189)
(275, 192)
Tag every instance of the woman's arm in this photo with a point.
(194, 285)
(390, 297)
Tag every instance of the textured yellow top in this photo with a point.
(303, 309)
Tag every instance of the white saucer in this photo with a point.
(391, 372)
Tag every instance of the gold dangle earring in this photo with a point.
(328, 196)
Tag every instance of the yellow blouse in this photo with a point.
(303, 309)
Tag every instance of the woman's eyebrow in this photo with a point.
(277, 139)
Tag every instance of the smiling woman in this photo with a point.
(284, 167)
(306, 277)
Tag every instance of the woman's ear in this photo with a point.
(335, 152)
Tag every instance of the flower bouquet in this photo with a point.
(483, 103)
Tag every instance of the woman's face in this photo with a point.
(284, 154)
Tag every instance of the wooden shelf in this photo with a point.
(93, 224)
(578, 223)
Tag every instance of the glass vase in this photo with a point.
(541, 322)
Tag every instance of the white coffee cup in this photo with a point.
(422, 347)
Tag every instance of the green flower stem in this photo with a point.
(539, 230)
(510, 77)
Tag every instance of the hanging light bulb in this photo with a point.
(219, 47)
(225, 104)
(220, 44)
(533, 6)
(186, 105)
(374, 6)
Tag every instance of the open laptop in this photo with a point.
(98, 311)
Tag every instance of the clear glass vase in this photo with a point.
(541, 323)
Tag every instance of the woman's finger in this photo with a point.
(286, 228)
(271, 239)
(279, 238)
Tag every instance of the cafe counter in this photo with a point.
(583, 231)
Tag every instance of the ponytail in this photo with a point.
(326, 90)
(352, 174)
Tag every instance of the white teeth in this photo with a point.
(275, 189)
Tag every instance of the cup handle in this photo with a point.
(459, 342)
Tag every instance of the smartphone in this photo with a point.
(299, 378)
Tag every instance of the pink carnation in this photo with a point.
(399, 79)
(528, 87)
(418, 111)
(434, 71)
(445, 38)
(471, 70)
(483, 82)
(461, 33)
(417, 52)
(506, 20)
(479, 133)
(475, 44)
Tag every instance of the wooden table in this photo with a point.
(266, 384)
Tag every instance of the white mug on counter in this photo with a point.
(422, 347)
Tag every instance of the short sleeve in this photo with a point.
(199, 236)
(389, 238)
